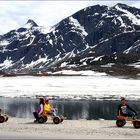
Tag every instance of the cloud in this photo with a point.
(14, 14)
(136, 4)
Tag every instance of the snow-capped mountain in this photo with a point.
(96, 35)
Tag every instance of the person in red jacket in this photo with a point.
(125, 110)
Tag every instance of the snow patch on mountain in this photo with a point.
(121, 21)
(4, 43)
(7, 63)
(78, 25)
(131, 16)
(34, 63)
(135, 65)
(98, 58)
(46, 30)
(50, 41)
(31, 40)
(84, 73)
(63, 64)
(128, 50)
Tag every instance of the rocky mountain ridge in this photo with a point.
(95, 38)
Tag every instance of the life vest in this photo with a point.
(47, 108)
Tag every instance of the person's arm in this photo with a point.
(41, 109)
(131, 109)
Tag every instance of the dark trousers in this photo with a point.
(129, 114)
(35, 115)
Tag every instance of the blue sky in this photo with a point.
(14, 14)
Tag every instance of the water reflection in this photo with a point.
(23, 108)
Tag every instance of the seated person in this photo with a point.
(40, 109)
(48, 109)
(125, 110)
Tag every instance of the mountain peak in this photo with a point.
(30, 23)
(122, 6)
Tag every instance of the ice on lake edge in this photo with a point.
(90, 86)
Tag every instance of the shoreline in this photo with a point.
(74, 98)
(19, 128)
(134, 73)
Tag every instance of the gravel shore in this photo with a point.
(19, 128)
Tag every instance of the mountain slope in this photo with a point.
(94, 36)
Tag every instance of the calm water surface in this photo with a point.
(72, 109)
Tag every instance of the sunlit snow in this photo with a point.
(33, 63)
(7, 63)
(4, 43)
(96, 85)
(77, 24)
(131, 16)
